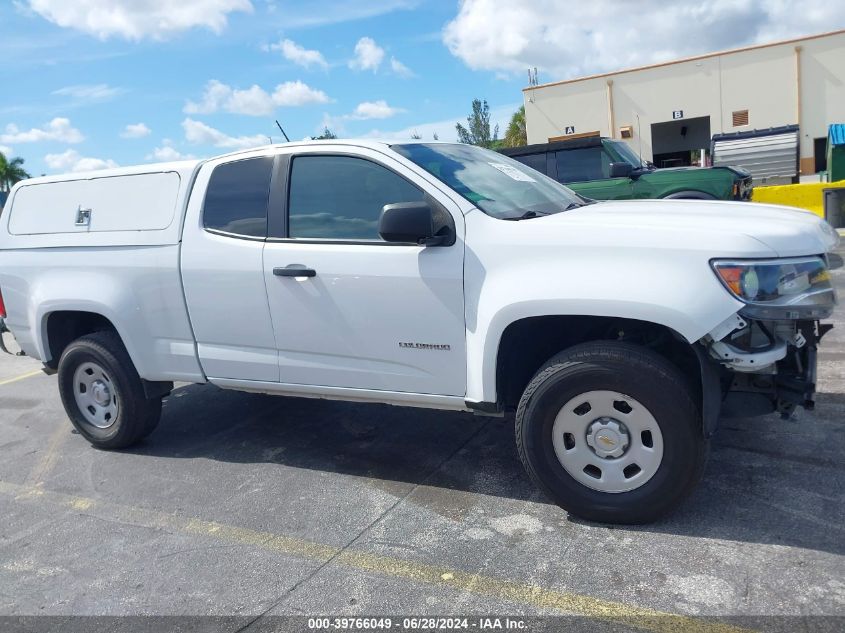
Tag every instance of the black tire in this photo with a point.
(137, 415)
(626, 369)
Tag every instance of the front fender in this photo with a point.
(482, 386)
(676, 290)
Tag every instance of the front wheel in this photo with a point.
(103, 394)
(611, 433)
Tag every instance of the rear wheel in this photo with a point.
(611, 433)
(103, 394)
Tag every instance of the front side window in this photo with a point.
(341, 197)
(625, 152)
(237, 195)
(500, 186)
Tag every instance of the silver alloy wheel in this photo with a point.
(607, 441)
(96, 395)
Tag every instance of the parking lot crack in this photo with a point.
(342, 550)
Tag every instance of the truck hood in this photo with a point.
(786, 231)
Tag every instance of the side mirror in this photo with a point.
(409, 222)
(621, 170)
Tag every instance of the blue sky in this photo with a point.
(93, 83)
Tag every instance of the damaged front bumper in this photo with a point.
(766, 366)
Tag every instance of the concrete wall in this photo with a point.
(762, 80)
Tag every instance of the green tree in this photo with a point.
(327, 134)
(515, 135)
(477, 131)
(11, 172)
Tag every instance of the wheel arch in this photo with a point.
(690, 194)
(62, 327)
(527, 343)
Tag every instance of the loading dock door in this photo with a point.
(672, 141)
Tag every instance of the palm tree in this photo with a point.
(11, 172)
(515, 136)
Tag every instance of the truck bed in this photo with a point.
(106, 242)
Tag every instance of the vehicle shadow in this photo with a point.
(768, 481)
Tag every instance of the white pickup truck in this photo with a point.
(429, 275)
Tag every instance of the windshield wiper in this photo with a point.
(536, 214)
(525, 216)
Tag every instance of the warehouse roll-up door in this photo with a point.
(770, 155)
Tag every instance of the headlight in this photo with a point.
(780, 288)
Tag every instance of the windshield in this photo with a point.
(496, 184)
(626, 153)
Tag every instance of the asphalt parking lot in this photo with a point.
(251, 505)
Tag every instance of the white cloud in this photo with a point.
(167, 153)
(368, 55)
(255, 100)
(568, 39)
(400, 69)
(374, 110)
(72, 161)
(298, 54)
(59, 129)
(89, 93)
(135, 130)
(6, 151)
(314, 14)
(445, 129)
(296, 93)
(215, 96)
(138, 19)
(199, 133)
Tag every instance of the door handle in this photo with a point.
(294, 272)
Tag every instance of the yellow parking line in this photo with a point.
(526, 594)
(9, 381)
(44, 466)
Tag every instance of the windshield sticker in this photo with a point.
(513, 172)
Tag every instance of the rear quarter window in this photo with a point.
(237, 197)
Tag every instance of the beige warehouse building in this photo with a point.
(668, 111)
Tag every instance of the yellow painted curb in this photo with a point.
(808, 195)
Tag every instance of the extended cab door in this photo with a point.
(364, 313)
(222, 268)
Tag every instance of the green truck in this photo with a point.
(605, 169)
